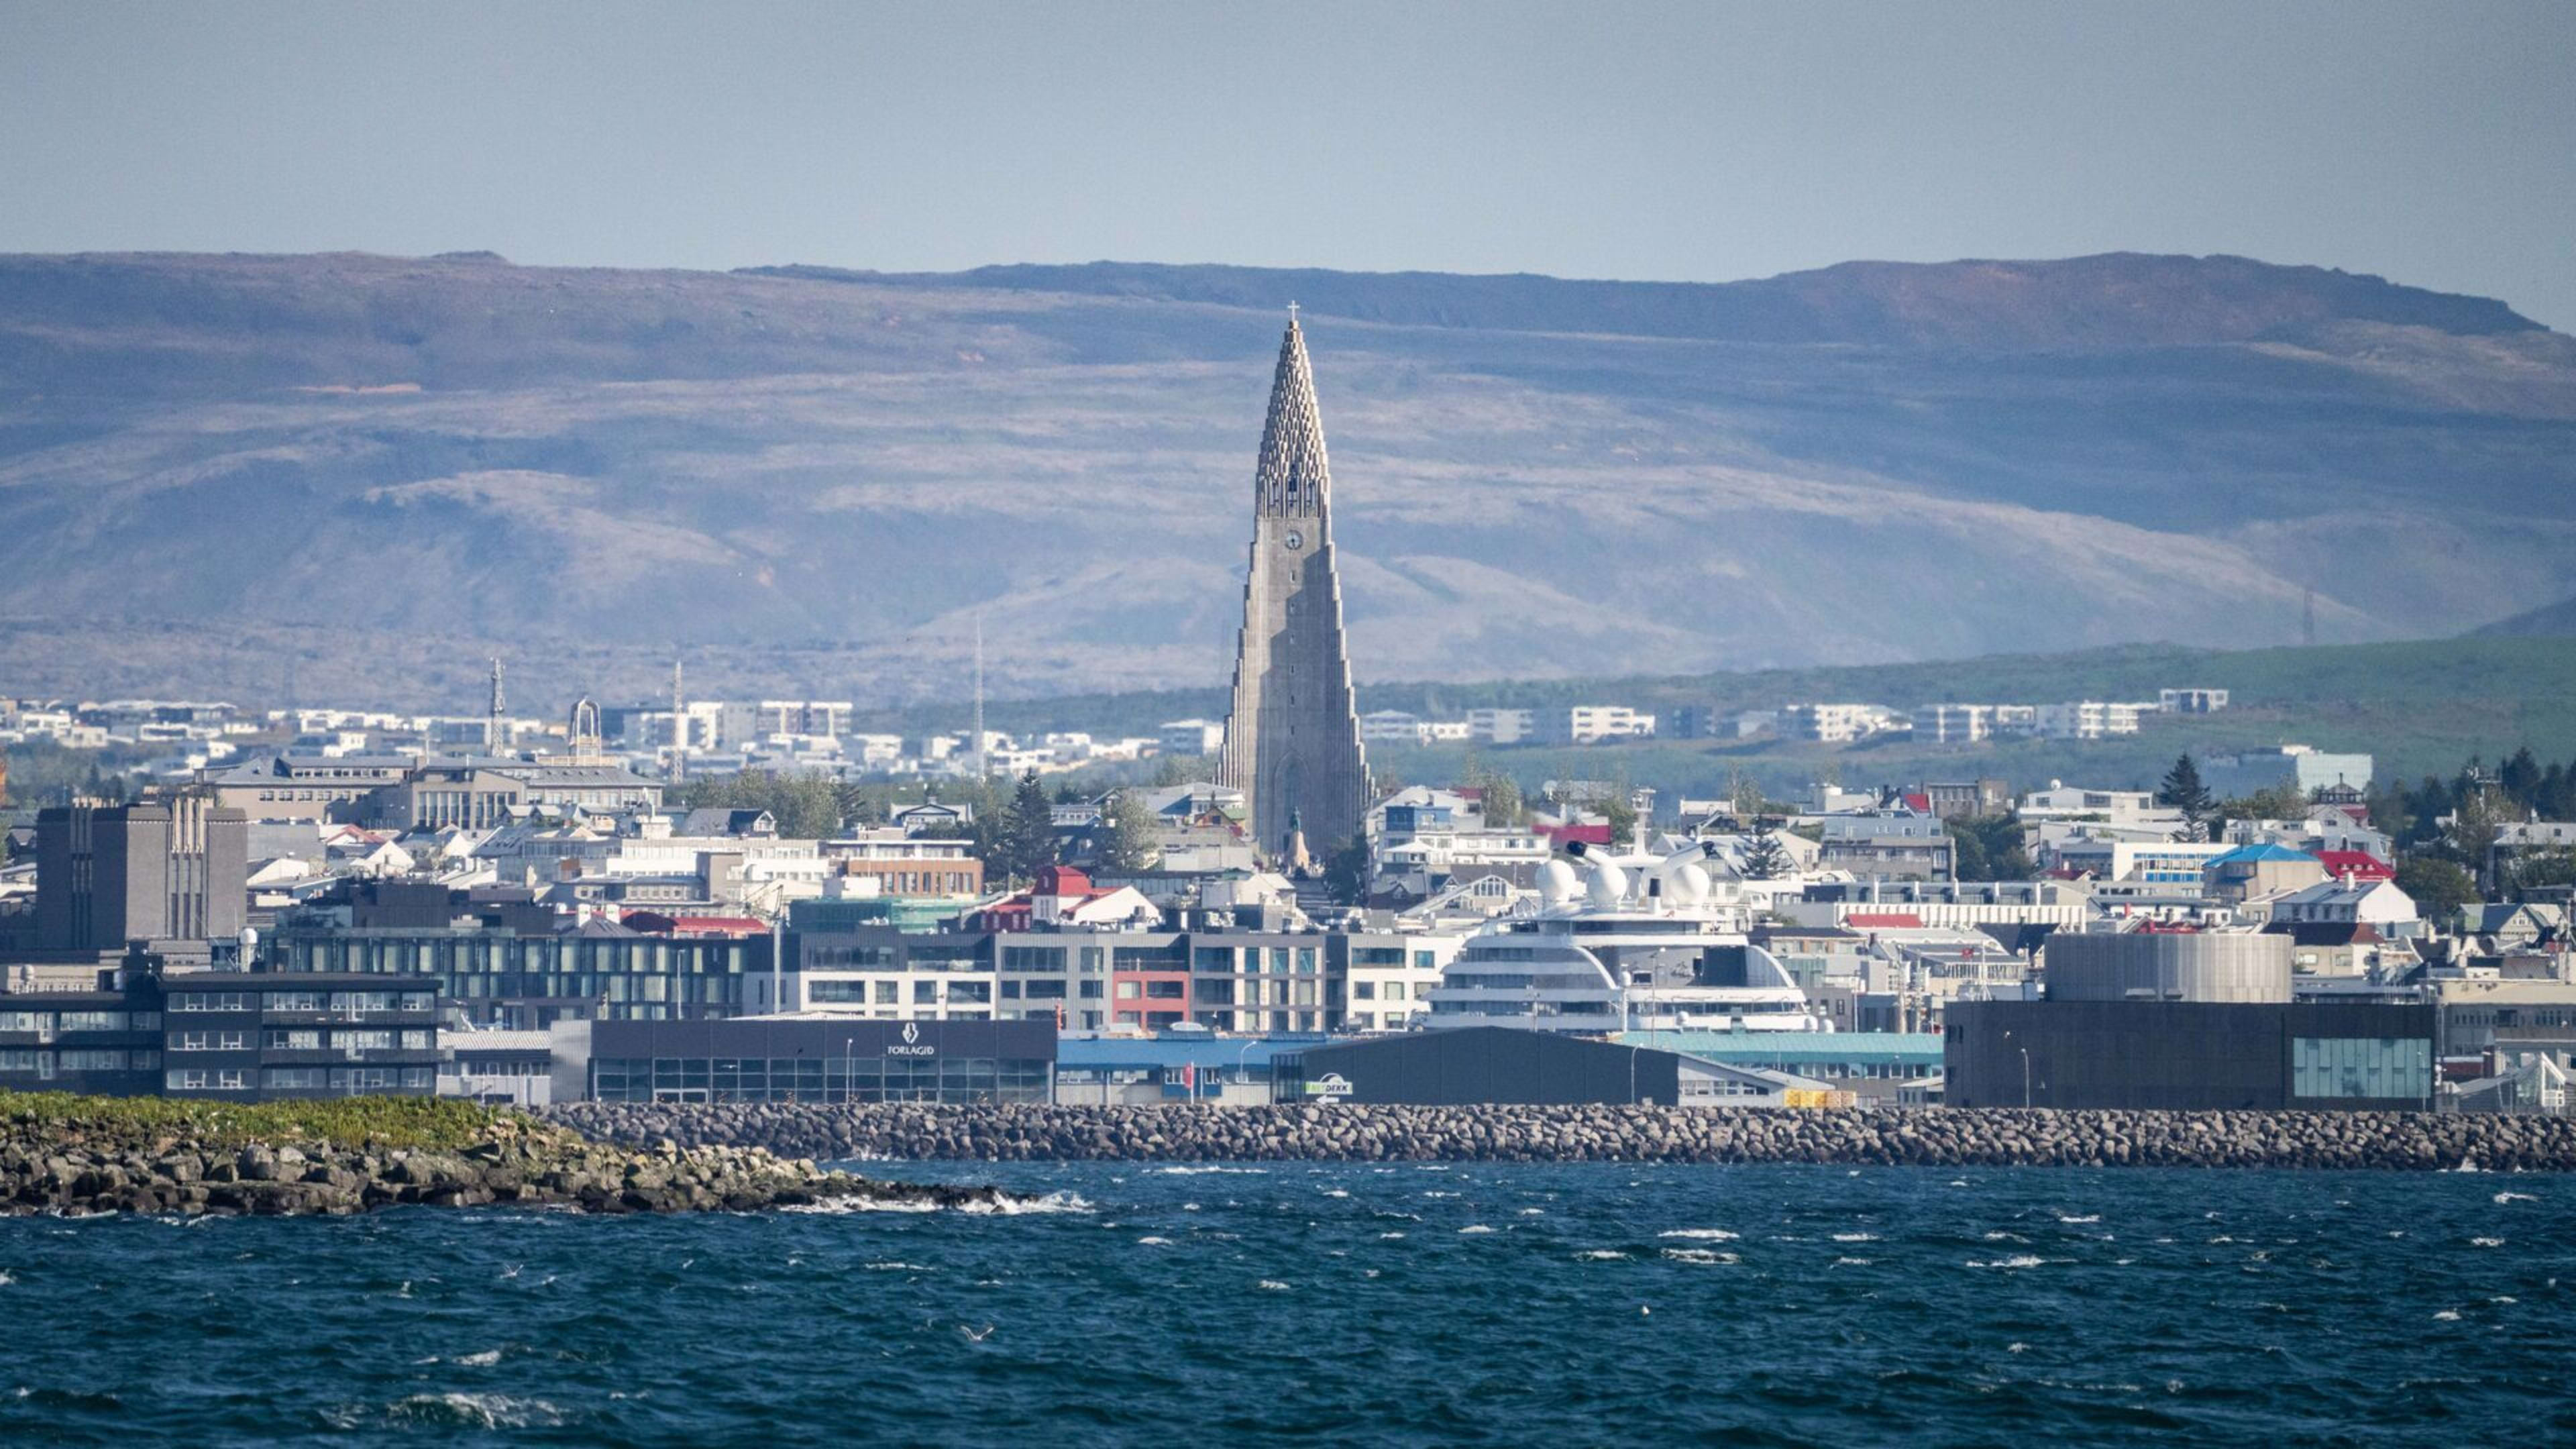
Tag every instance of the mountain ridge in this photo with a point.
(613, 464)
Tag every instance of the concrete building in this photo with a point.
(2208, 966)
(1502, 726)
(1889, 847)
(167, 872)
(2301, 767)
(2189, 1055)
(1292, 741)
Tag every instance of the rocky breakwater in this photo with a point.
(1931, 1137)
(78, 1156)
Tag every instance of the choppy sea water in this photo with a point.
(1340, 1303)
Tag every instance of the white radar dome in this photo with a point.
(1556, 883)
(1609, 884)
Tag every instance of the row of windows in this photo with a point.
(80, 1021)
(43, 1065)
(307, 1039)
(825, 1079)
(346, 1002)
(309, 1079)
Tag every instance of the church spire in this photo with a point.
(1294, 478)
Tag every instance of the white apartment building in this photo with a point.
(2191, 701)
(1192, 737)
(2088, 719)
(1954, 724)
(1834, 723)
(1394, 727)
(1502, 726)
(1585, 724)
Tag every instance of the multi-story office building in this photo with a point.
(528, 981)
(169, 872)
(224, 1035)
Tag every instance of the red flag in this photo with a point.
(1190, 1078)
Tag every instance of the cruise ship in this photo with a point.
(1633, 943)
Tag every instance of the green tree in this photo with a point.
(2542, 869)
(1128, 843)
(1989, 847)
(2438, 887)
(1623, 820)
(2182, 790)
(2273, 802)
(1765, 858)
(1346, 872)
(1027, 833)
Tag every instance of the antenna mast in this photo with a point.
(679, 726)
(494, 710)
(979, 697)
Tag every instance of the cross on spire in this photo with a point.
(1292, 314)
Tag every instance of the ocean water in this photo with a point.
(1340, 1304)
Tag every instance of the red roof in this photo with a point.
(2361, 864)
(1588, 834)
(1882, 918)
(1920, 803)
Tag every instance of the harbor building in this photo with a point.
(2187, 1021)
(787, 1059)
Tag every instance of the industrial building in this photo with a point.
(2187, 1021)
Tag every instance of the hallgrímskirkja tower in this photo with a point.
(1292, 741)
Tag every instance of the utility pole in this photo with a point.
(2308, 621)
(493, 711)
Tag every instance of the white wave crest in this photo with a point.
(1855, 1237)
(1273, 1285)
(1601, 1255)
(1707, 1256)
(476, 1411)
(1712, 1235)
(2016, 1261)
(1475, 1228)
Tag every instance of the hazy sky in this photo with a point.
(2432, 143)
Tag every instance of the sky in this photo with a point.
(2431, 144)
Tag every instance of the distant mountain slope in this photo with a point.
(2117, 300)
(2556, 620)
(356, 463)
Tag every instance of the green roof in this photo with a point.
(1796, 1048)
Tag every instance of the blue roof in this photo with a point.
(2247, 854)
(1166, 1051)
(1791, 1048)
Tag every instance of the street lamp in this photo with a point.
(1243, 1072)
(2025, 1071)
